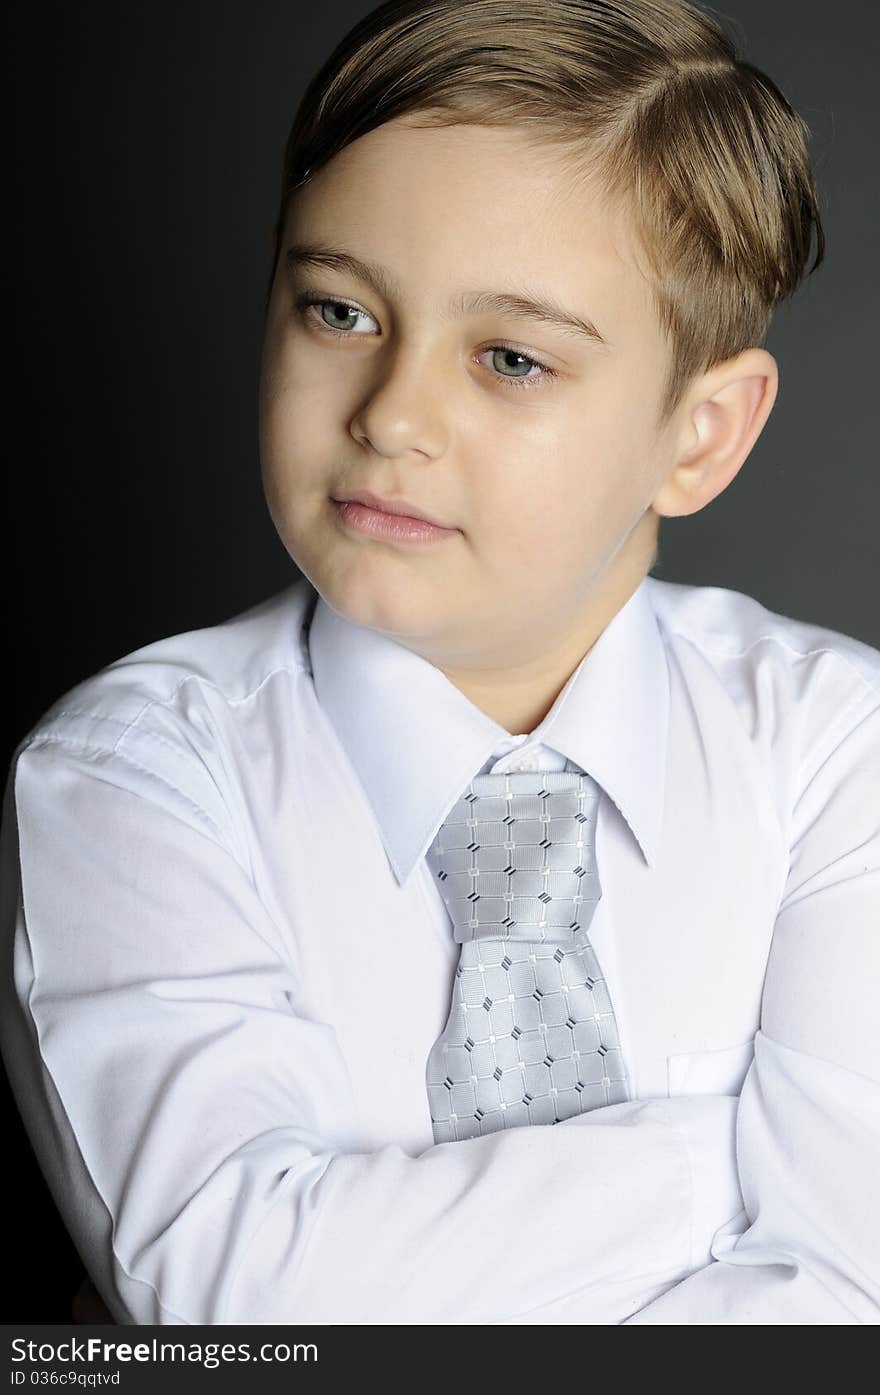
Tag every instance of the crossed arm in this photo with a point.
(808, 1125)
(170, 1060)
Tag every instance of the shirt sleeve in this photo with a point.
(808, 1128)
(187, 1115)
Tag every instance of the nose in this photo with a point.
(403, 409)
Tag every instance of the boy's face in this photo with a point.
(547, 480)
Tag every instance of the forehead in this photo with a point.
(450, 206)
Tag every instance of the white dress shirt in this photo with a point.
(227, 961)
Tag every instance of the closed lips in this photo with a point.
(401, 507)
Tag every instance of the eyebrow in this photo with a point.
(516, 304)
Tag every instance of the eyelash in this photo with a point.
(308, 299)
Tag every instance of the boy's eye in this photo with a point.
(343, 312)
(339, 310)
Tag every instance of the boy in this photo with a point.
(526, 256)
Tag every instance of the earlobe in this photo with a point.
(732, 405)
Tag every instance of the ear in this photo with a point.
(723, 416)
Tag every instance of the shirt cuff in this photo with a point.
(707, 1126)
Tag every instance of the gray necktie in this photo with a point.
(531, 1036)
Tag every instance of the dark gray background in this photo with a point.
(145, 175)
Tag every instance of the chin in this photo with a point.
(384, 607)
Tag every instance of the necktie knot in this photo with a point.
(515, 857)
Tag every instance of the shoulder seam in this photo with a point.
(207, 683)
(777, 639)
(162, 702)
(89, 750)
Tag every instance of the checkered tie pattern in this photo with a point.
(531, 1036)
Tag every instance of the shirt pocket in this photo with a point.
(717, 1072)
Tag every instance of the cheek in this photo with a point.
(546, 476)
(299, 415)
(565, 497)
(288, 370)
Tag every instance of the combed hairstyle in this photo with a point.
(647, 96)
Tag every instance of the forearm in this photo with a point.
(582, 1222)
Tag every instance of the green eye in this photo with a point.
(308, 300)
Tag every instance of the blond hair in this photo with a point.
(702, 147)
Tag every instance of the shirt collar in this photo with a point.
(415, 741)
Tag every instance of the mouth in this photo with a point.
(402, 508)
